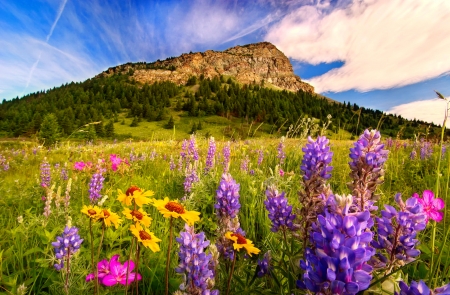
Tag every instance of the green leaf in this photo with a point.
(33, 250)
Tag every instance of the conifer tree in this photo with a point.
(109, 129)
(49, 131)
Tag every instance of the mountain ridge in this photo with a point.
(261, 63)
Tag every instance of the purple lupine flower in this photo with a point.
(95, 186)
(180, 164)
(426, 149)
(368, 158)
(244, 164)
(421, 288)
(172, 164)
(66, 244)
(338, 263)
(260, 157)
(389, 142)
(192, 148)
(183, 152)
(211, 154)
(316, 169)
(280, 213)
(45, 174)
(413, 155)
(195, 263)
(263, 268)
(252, 172)
(227, 208)
(67, 195)
(397, 232)
(35, 151)
(63, 174)
(190, 179)
(281, 155)
(226, 157)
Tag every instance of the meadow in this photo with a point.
(43, 190)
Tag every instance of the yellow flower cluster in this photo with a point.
(137, 197)
(98, 214)
(174, 209)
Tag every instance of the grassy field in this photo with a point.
(27, 255)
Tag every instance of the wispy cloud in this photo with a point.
(383, 44)
(431, 110)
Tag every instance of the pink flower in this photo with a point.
(118, 273)
(431, 206)
(79, 166)
(102, 268)
(281, 172)
(115, 160)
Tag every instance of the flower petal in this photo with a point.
(109, 280)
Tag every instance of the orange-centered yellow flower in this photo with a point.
(241, 242)
(139, 216)
(135, 194)
(175, 210)
(91, 211)
(109, 217)
(147, 238)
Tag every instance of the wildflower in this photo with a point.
(135, 194)
(192, 148)
(191, 177)
(22, 289)
(227, 197)
(102, 268)
(426, 149)
(280, 150)
(172, 164)
(280, 213)
(421, 288)
(20, 219)
(118, 273)
(45, 174)
(95, 186)
(431, 206)
(263, 268)
(338, 263)
(239, 242)
(48, 201)
(63, 175)
(397, 232)
(226, 157)
(146, 237)
(92, 212)
(194, 262)
(211, 153)
(66, 244)
(244, 164)
(368, 157)
(413, 155)
(183, 153)
(174, 209)
(260, 157)
(139, 216)
(281, 172)
(115, 161)
(79, 166)
(109, 218)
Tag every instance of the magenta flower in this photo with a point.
(118, 273)
(431, 206)
(79, 166)
(281, 172)
(115, 161)
(103, 268)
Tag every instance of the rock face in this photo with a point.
(250, 63)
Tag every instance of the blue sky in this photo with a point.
(386, 54)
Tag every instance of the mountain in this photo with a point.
(253, 63)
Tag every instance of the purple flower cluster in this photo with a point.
(368, 158)
(4, 163)
(281, 155)
(317, 159)
(280, 213)
(426, 149)
(341, 240)
(397, 232)
(192, 148)
(227, 197)
(63, 174)
(263, 268)
(95, 186)
(244, 164)
(211, 154)
(190, 179)
(413, 155)
(421, 288)
(172, 164)
(183, 152)
(260, 157)
(45, 174)
(226, 157)
(66, 244)
(195, 263)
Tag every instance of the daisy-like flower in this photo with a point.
(175, 210)
(139, 216)
(431, 207)
(139, 196)
(241, 242)
(109, 218)
(92, 211)
(147, 238)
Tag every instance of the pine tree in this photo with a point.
(135, 122)
(193, 129)
(199, 126)
(49, 131)
(170, 124)
(109, 129)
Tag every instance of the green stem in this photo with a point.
(137, 268)
(128, 265)
(66, 285)
(231, 273)
(94, 269)
(168, 256)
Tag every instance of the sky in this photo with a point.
(389, 55)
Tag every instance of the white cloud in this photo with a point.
(432, 110)
(384, 44)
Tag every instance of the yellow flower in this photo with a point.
(109, 217)
(139, 216)
(92, 211)
(136, 194)
(241, 242)
(147, 238)
(175, 210)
